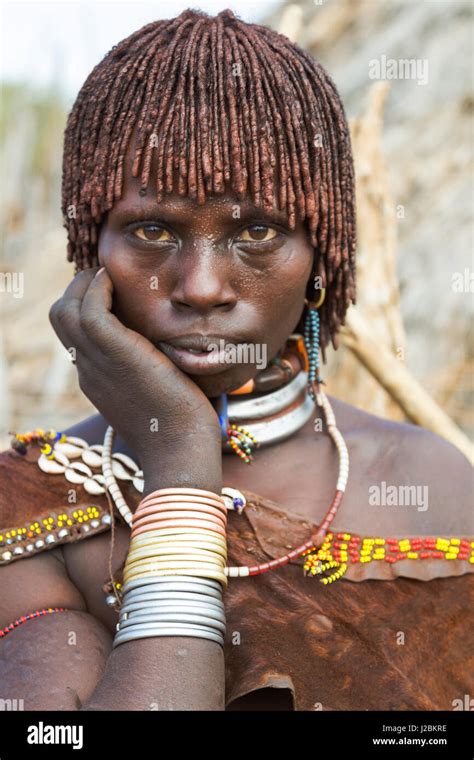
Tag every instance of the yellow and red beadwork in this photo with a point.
(55, 528)
(342, 549)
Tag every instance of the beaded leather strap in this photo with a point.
(341, 549)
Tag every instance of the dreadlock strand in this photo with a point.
(239, 139)
(265, 136)
(223, 111)
(239, 128)
(253, 159)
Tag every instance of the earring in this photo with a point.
(311, 340)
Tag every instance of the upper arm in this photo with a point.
(36, 582)
(51, 662)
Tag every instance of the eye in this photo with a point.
(257, 233)
(152, 233)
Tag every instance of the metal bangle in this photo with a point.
(146, 592)
(154, 592)
(182, 491)
(215, 561)
(176, 583)
(169, 610)
(213, 605)
(189, 514)
(197, 565)
(187, 552)
(186, 568)
(190, 564)
(183, 534)
(173, 617)
(156, 551)
(136, 604)
(177, 508)
(155, 631)
(169, 607)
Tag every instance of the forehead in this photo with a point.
(222, 205)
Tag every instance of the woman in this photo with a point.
(208, 193)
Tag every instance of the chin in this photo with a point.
(222, 382)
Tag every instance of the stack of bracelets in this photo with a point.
(175, 568)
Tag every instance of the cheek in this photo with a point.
(132, 291)
(279, 295)
(287, 284)
(113, 252)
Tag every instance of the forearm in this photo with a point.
(197, 463)
(165, 673)
(169, 672)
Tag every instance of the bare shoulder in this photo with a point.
(404, 454)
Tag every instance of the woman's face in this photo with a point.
(224, 269)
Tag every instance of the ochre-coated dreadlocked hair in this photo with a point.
(228, 103)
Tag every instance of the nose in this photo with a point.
(203, 279)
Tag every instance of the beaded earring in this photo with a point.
(311, 340)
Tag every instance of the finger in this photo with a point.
(96, 317)
(78, 286)
(72, 297)
(64, 313)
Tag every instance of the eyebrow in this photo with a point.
(150, 209)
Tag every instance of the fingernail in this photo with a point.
(99, 271)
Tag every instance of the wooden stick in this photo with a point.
(392, 375)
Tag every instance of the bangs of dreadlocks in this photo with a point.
(220, 102)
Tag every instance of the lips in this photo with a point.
(198, 354)
(199, 342)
